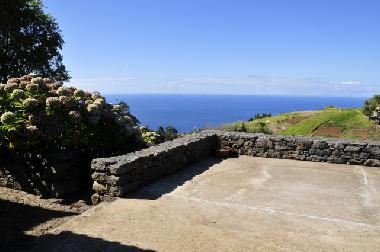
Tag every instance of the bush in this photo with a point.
(161, 135)
(167, 134)
(41, 115)
(240, 127)
(259, 116)
(257, 127)
(371, 108)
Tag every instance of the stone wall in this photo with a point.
(54, 175)
(116, 176)
(341, 151)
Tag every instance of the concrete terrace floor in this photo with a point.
(238, 204)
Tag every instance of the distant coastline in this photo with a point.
(189, 112)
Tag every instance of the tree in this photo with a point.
(167, 134)
(30, 41)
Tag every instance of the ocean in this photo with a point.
(189, 112)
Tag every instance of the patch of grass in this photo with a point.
(348, 123)
(308, 126)
(350, 119)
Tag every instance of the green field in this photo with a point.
(329, 122)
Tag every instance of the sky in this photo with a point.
(271, 47)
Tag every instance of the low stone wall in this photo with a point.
(341, 151)
(116, 176)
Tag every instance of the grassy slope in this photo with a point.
(332, 122)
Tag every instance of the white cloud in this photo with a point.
(217, 84)
(350, 82)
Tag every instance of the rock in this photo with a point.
(320, 145)
(96, 199)
(374, 150)
(263, 143)
(354, 162)
(372, 162)
(304, 144)
(99, 188)
(352, 148)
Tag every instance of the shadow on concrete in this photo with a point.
(68, 241)
(16, 218)
(170, 183)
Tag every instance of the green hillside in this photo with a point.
(329, 122)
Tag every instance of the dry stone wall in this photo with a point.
(116, 176)
(54, 175)
(341, 151)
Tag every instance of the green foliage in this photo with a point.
(161, 135)
(344, 120)
(39, 114)
(149, 136)
(329, 122)
(263, 128)
(240, 127)
(306, 127)
(259, 116)
(167, 134)
(30, 41)
(371, 108)
(330, 107)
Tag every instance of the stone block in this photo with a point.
(372, 162)
(351, 148)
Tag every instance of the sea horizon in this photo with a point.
(188, 112)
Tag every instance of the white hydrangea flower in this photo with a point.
(96, 95)
(66, 101)
(13, 80)
(75, 117)
(93, 108)
(38, 80)
(7, 117)
(79, 93)
(9, 87)
(63, 91)
(33, 88)
(18, 94)
(30, 103)
(53, 102)
(31, 129)
(117, 108)
(99, 101)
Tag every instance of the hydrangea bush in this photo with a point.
(39, 114)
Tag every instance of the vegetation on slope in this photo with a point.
(329, 122)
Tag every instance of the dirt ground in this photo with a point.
(23, 216)
(328, 131)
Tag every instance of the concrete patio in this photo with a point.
(237, 204)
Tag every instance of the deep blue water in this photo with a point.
(186, 112)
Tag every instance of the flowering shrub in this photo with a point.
(161, 135)
(39, 114)
(150, 137)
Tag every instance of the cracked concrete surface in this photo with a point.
(240, 204)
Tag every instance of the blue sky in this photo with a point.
(323, 48)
